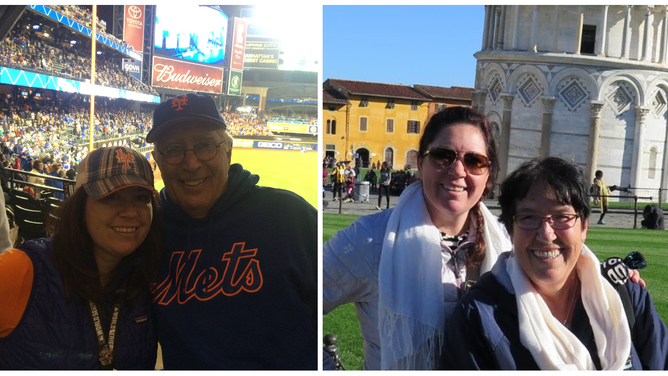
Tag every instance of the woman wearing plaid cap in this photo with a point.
(80, 299)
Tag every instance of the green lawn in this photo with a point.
(605, 242)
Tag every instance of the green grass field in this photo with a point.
(286, 169)
(605, 242)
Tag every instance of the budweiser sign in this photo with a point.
(186, 76)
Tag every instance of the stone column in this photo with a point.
(625, 35)
(578, 35)
(664, 35)
(497, 26)
(504, 144)
(482, 97)
(594, 133)
(516, 28)
(546, 132)
(646, 35)
(486, 28)
(638, 142)
(555, 31)
(533, 41)
(664, 167)
(603, 33)
(500, 43)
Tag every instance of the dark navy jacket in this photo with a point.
(239, 288)
(483, 331)
(54, 334)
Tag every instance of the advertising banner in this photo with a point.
(234, 84)
(261, 53)
(187, 76)
(238, 44)
(133, 26)
(133, 67)
(292, 128)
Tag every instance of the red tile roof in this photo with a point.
(332, 96)
(374, 89)
(439, 92)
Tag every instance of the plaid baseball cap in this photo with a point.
(109, 169)
(185, 108)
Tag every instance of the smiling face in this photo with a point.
(451, 192)
(193, 184)
(118, 223)
(547, 256)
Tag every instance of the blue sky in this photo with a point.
(398, 44)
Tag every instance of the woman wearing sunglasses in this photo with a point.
(405, 268)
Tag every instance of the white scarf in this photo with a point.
(552, 345)
(411, 312)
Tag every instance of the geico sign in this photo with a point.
(272, 145)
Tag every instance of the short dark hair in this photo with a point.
(565, 179)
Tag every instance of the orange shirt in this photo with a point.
(16, 276)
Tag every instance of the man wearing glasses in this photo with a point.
(238, 284)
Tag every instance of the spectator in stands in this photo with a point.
(215, 211)
(55, 171)
(51, 287)
(38, 167)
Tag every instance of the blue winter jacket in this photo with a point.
(483, 332)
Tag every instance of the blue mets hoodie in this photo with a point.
(238, 289)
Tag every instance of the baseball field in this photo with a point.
(286, 169)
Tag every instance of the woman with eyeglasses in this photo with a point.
(546, 305)
(405, 268)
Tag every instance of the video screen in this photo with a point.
(191, 32)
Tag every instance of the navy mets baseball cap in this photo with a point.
(107, 170)
(182, 109)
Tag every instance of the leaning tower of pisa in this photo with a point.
(585, 83)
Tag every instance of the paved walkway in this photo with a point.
(616, 218)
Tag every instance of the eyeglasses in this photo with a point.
(442, 158)
(557, 222)
(204, 151)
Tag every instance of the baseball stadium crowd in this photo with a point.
(53, 130)
(53, 54)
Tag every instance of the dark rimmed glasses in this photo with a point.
(557, 222)
(204, 151)
(442, 158)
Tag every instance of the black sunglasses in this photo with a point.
(442, 158)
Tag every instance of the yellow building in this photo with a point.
(381, 122)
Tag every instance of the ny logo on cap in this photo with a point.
(179, 101)
(126, 159)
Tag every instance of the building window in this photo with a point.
(330, 150)
(364, 102)
(389, 157)
(440, 107)
(588, 41)
(414, 105)
(390, 126)
(412, 159)
(331, 108)
(363, 124)
(390, 104)
(413, 127)
(331, 127)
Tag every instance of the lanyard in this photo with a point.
(105, 345)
